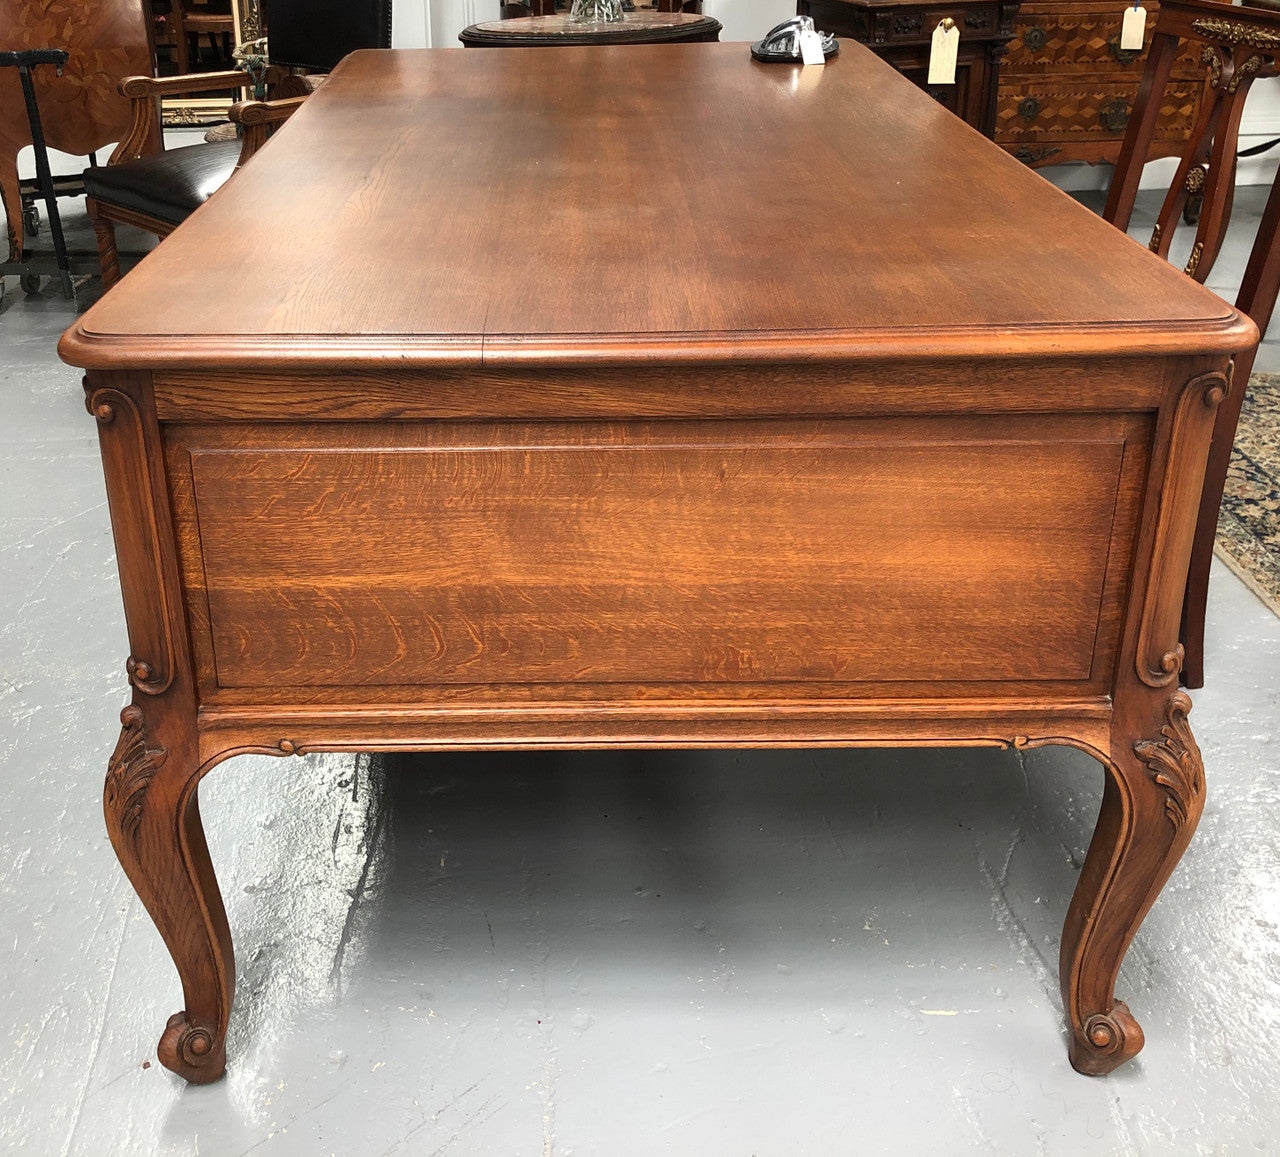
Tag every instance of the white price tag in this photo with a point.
(942, 53)
(811, 47)
(1133, 29)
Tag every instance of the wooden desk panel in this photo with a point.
(615, 449)
(662, 553)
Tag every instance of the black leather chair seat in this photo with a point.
(168, 185)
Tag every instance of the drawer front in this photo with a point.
(906, 25)
(1058, 39)
(840, 552)
(1059, 109)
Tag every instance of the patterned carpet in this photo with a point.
(1249, 524)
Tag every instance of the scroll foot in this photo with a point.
(1109, 1039)
(1151, 803)
(153, 818)
(196, 1053)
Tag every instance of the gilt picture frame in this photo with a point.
(195, 111)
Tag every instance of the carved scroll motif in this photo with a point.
(151, 667)
(130, 771)
(1174, 760)
(1159, 655)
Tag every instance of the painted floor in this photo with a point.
(765, 953)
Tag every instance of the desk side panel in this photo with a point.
(416, 561)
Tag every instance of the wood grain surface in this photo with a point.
(558, 209)
(494, 403)
(846, 552)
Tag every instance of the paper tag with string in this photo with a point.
(943, 51)
(1133, 29)
(811, 47)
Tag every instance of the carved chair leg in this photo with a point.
(108, 257)
(1151, 803)
(153, 818)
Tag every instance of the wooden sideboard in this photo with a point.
(1067, 88)
(900, 31)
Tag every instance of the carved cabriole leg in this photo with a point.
(1154, 789)
(108, 257)
(1151, 803)
(153, 818)
(152, 812)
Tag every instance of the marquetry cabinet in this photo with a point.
(900, 31)
(1067, 88)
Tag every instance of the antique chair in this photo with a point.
(1241, 44)
(192, 20)
(158, 191)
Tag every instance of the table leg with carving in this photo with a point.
(150, 795)
(1154, 789)
(1151, 803)
(153, 817)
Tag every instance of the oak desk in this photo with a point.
(616, 447)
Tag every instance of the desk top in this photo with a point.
(670, 202)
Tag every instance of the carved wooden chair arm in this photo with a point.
(144, 93)
(256, 118)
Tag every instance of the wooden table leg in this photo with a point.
(152, 813)
(153, 818)
(1151, 803)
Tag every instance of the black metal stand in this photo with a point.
(24, 62)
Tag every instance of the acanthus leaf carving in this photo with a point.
(1174, 760)
(132, 767)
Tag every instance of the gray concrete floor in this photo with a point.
(635, 953)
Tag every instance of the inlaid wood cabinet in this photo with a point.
(900, 31)
(1067, 87)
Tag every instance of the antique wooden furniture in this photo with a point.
(1066, 87)
(646, 26)
(1234, 45)
(900, 32)
(611, 452)
(157, 192)
(81, 110)
(191, 20)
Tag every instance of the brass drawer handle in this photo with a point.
(1114, 115)
(1123, 55)
(1034, 38)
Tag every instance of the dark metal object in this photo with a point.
(24, 62)
(1034, 39)
(782, 44)
(1123, 55)
(1114, 115)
